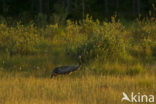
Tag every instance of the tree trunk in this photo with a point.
(48, 10)
(117, 5)
(106, 6)
(3, 6)
(75, 3)
(68, 6)
(32, 5)
(83, 9)
(133, 6)
(47, 6)
(40, 6)
(138, 6)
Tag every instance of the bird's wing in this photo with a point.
(63, 69)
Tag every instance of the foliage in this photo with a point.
(92, 39)
(143, 39)
(18, 40)
(97, 42)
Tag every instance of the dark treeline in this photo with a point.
(74, 9)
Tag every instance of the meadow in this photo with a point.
(116, 57)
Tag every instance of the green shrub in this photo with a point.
(134, 70)
(143, 40)
(93, 40)
(18, 40)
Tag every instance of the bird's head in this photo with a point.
(80, 62)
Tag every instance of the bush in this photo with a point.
(93, 40)
(18, 40)
(143, 40)
(134, 70)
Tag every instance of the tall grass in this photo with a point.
(72, 90)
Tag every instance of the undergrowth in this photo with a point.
(31, 47)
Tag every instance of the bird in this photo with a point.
(66, 69)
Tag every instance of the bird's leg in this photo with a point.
(52, 75)
(70, 73)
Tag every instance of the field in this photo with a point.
(88, 89)
(117, 57)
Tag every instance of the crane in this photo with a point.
(66, 69)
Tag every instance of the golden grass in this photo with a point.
(89, 89)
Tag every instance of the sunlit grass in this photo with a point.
(72, 90)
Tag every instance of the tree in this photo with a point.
(83, 9)
(117, 5)
(106, 7)
(138, 6)
(68, 6)
(40, 6)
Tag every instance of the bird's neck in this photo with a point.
(80, 63)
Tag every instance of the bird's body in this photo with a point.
(65, 69)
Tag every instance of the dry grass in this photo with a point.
(89, 89)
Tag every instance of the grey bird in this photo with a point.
(66, 69)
